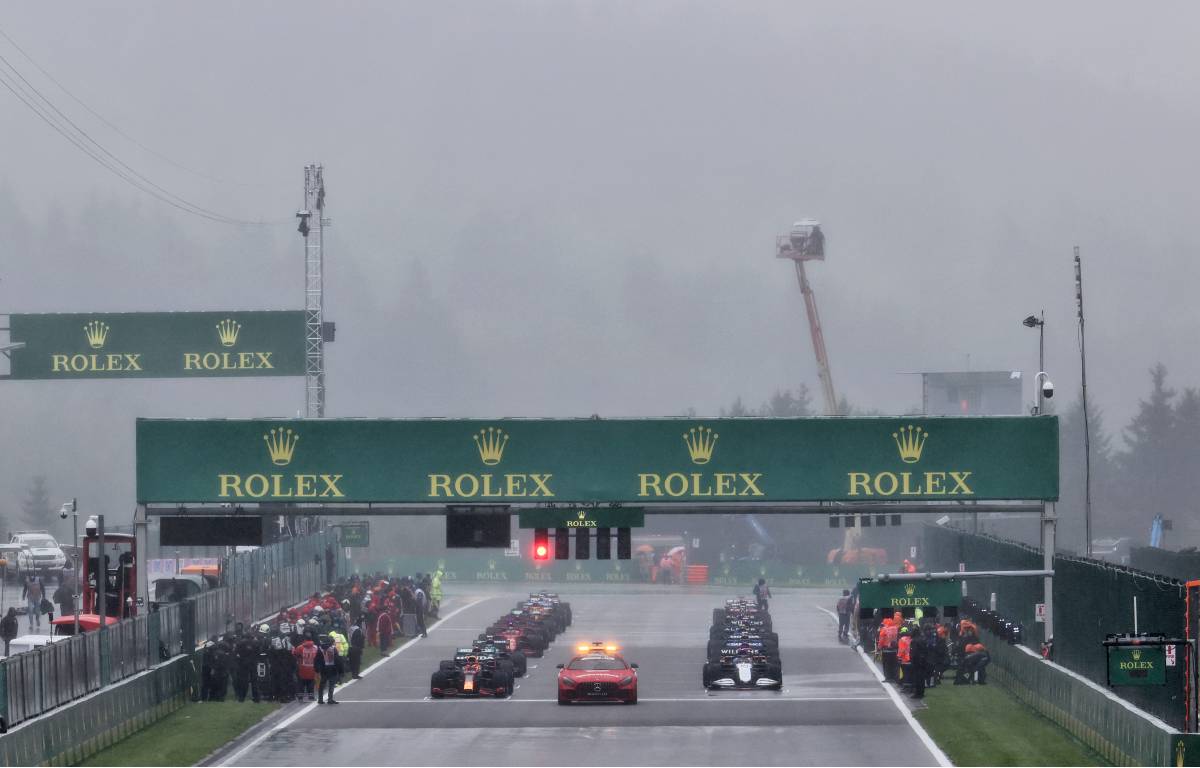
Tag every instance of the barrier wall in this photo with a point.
(79, 730)
(45, 679)
(1091, 599)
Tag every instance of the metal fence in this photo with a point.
(257, 584)
(1122, 735)
(1092, 598)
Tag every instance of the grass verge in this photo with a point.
(186, 736)
(985, 725)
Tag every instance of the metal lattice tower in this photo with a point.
(312, 224)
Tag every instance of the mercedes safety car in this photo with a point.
(597, 673)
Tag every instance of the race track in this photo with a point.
(832, 710)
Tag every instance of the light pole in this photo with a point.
(1034, 321)
(72, 508)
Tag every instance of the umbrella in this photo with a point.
(676, 551)
(645, 548)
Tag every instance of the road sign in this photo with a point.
(632, 461)
(1170, 655)
(356, 534)
(1039, 613)
(583, 517)
(124, 345)
(1137, 665)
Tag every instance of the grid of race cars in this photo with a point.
(743, 653)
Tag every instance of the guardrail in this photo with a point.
(257, 584)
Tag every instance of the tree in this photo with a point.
(1107, 519)
(36, 511)
(1146, 487)
(737, 409)
(785, 405)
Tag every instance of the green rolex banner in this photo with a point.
(538, 462)
(1137, 665)
(918, 593)
(157, 345)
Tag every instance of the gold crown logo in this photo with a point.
(1137, 654)
(491, 442)
(700, 442)
(1180, 752)
(909, 589)
(97, 333)
(281, 443)
(582, 514)
(227, 332)
(910, 441)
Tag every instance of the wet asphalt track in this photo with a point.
(832, 710)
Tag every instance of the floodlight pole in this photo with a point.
(312, 225)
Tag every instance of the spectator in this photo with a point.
(762, 592)
(329, 666)
(306, 656)
(8, 628)
(844, 607)
(358, 641)
(384, 630)
(32, 593)
(65, 597)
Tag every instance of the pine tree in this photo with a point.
(1145, 483)
(786, 405)
(737, 409)
(36, 512)
(1106, 517)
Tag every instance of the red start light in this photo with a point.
(541, 550)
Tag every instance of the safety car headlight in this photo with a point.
(627, 680)
(567, 682)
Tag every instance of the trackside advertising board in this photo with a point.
(157, 345)
(634, 461)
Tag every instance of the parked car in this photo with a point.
(1114, 550)
(176, 589)
(18, 559)
(48, 557)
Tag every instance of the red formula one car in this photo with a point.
(598, 673)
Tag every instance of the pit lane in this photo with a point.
(832, 710)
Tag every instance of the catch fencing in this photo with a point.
(256, 583)
(1092, 599)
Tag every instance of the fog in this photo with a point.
(560, 209)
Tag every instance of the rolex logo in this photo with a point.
(700, 442)
(910, 441)
(1180, 753)
(909, 589)
(227, 332)
(582, 515)
(491, 442)
(97, 333)
(1137, 654)
(281, 443)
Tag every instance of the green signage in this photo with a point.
(918, 593)
(565, 461)
(157, 345)
(576, 517)
(1137, 665)
(355, 534)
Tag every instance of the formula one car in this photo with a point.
(521, 632)
(766, 645)
(493, 646)
(742, 666)
(472, 673)
(598, 673)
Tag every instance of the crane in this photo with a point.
(806, 242)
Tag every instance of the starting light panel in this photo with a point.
(603, 543)
(583, 543)
(562, 543)
(624, 544)
(541, 544)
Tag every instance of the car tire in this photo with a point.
(446, 666)
(633, 699)
(708, 674)
(718, 616)
(438, 681)
(562, 701)
(503, 683)
(520, 664)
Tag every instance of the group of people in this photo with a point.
(917, 652)
(306, 651)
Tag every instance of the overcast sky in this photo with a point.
(553, 208)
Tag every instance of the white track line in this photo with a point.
(669, 699)
(310, 707)
(933, 748)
